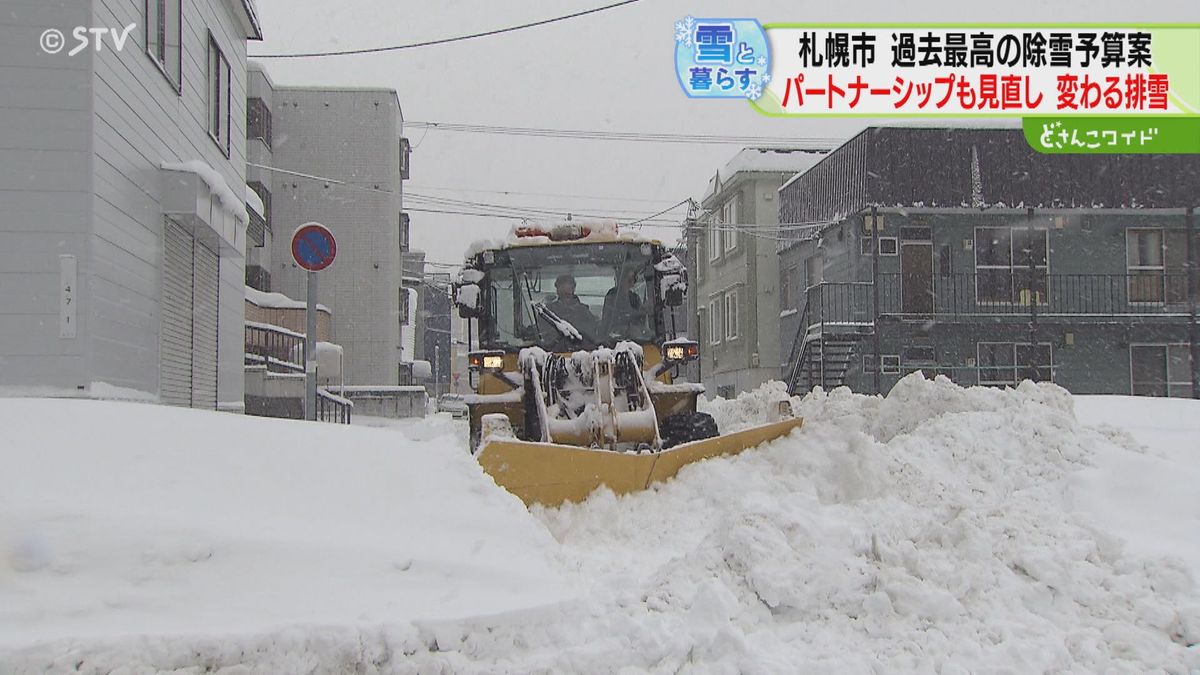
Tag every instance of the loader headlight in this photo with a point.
(679, 351)
(486, 360)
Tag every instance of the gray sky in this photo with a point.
(610, 71)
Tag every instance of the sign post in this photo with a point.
(313, 248)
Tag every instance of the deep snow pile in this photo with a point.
(933, 530)
(121, 519)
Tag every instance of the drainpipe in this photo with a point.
(875, 291)
(1192, 253)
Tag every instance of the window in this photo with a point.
(729, 234)
(714, 322)
(265, 195)
(405, 158)
(917, 355)
(1160, 370)
(790, 297)
(864, 245)
(731, 315)
(1145, 262)
(889, 246)
(258, 121)
(868, 363)
(813, 271)
(714, 239)
(889, 364)
(1007, 363)
(403, 306)
(403, 231)
(218, 95)
(1011, 265)
(164, 23)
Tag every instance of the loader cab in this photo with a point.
(570, 296)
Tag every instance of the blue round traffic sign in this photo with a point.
(313, 247)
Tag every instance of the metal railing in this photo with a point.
(999, 293)
(282, 351)
(279, 349)
(332, 408)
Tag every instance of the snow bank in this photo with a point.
(935, 530)
(189, 528)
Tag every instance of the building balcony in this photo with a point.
(991, 295)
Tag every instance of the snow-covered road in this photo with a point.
(939, 529)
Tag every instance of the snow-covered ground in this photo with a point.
(938, 529)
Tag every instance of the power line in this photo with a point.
(541, 194)
(428, 43)
(815, 144)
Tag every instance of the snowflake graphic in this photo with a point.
(684, 29)
(754, 91)
(766, 79)
(762, 61)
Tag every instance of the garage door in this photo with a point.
(175, 345)
(188, 362)
(204, 327)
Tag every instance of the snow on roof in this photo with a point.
(599, 231)
(278, 300)
(788, 160)
(216, 184)
(255, 202)
(776, 160)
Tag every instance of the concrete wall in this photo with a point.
(353, 136)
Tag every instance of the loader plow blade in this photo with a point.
(550, 474)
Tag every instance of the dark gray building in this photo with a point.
(962, 251)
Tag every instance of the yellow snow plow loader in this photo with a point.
(573, 359)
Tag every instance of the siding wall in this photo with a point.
(45, 183)
(752, 358)
(352, 136)
(141, 121)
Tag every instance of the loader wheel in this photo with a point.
(685, 427)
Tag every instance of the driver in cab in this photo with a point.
(567, 306)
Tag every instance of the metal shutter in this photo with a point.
(205, 275)
(175, 344)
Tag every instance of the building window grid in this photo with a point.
(163, 21)
(1165, 380)
(714, 322)
(258, 120)
(219, 95)
(1012, 273)
(729, 233)
(731, 314)
(1008, 363)
(1145, 257)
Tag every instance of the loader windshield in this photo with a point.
(571, 297)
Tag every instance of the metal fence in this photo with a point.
(282, 351)
(998, 293)
(279, 349)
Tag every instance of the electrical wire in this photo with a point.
(813, 144)
(540, 194)
(442, 41)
